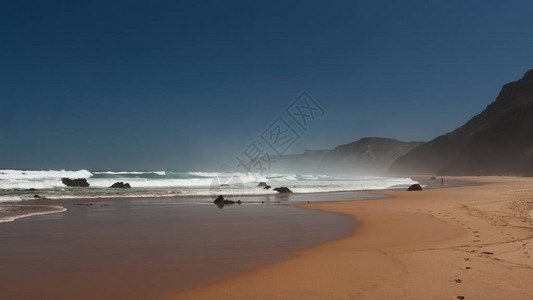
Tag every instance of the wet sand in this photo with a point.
(150, 248)
(471, 242)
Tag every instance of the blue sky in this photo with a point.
(189, 84)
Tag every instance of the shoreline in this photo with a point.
(280, 198)
(421, 179)
(472, 241)
(178, 196)
(37, 200)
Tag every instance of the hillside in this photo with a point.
(367, 156)
(498, 141)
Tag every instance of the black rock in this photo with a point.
(283, 190)
(415, 187)
(80, 182)
(267, 187)
(120, 185)
(221, 202)
(219, 199)
(262, 183)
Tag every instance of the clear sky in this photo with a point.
(188, 85)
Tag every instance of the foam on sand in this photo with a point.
(9, 213)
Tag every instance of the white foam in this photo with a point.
(207, 174)
(23, 174)
(131, 172)
(177, 182)
(10, 198)
(20, 179)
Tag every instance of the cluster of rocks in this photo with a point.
(220, 202)
(264, 185)
(282, 189)
(82, 182)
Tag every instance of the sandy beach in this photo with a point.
(266, 150)
(444, 243)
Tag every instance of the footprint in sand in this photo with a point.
(460, 297)
(468, 268)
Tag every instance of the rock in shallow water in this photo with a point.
(415, 187)
(283, 190)
(120, 185)
(80, 182)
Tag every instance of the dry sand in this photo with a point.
(470, 241)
